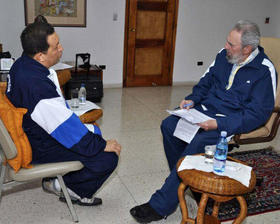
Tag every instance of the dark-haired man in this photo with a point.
(55, 133)
(238, 90)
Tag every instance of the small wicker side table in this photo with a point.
(219, 188)
(91, 116)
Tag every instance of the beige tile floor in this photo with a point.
(133, 117)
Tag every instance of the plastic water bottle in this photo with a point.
(82, 94)
(220, 155)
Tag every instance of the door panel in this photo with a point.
(144, 28)
(148, 61)
(149, 42)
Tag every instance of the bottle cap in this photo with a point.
(223, 133)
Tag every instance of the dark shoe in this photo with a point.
(83, 201)
(145, 213)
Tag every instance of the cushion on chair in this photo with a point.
(3, 86)
(270, 44)
(12, 119)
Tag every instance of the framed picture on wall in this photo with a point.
(70, 13)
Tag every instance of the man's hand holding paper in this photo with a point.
(186, 104)
(209, 125)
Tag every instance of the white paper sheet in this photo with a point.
(192, 115)
(83, 108)
(185, 130)
(187, 126)
(61, 66)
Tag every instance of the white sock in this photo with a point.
(57, 185)
(58, 188)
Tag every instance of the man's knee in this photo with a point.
(200, 140)
(164, 125)
(169, 124)
(112, 161)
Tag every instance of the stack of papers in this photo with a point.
(192, 115)
(187, 126)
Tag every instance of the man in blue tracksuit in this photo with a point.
(238, 91)
(55, 133)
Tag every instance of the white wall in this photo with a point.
(202, 28)
(11, 25)
(277, 19)
(103, 38)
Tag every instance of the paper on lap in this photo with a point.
(192, 115)
(187, 126)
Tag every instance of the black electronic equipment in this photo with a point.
(91, 76)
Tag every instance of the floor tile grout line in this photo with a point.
(127, 188)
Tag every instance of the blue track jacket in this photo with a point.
(247, 104)
(49, 123)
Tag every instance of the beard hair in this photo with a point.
(234, 59)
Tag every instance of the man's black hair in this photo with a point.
(34, 36)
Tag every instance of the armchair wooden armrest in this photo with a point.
(276, 109)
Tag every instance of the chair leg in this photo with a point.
(2, 178)
(68, 200)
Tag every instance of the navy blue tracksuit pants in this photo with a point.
(165, 200)
(88, 180)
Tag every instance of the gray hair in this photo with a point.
(250, 33)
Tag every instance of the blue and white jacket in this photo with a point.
(49, 123)
(250, 100)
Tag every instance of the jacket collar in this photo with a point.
(35, 65)
(257, 60)
(250, 58)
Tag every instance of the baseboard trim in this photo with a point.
(117, 85)
(187, 83)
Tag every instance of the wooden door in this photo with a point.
(149, 42)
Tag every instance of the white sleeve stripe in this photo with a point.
(50, 113)
(208, 69)
(271, 68)
(211, 64)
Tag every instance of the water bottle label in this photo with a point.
(219, 166)
(82, 100)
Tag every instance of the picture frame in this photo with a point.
(64, 13)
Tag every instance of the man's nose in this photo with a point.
(226, 46)
(61, 48)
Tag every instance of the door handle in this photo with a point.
(132, 29)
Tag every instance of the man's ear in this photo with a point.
(247, 50)
(40, 57)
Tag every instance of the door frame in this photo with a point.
(126, 33)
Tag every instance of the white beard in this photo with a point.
(234, 59)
